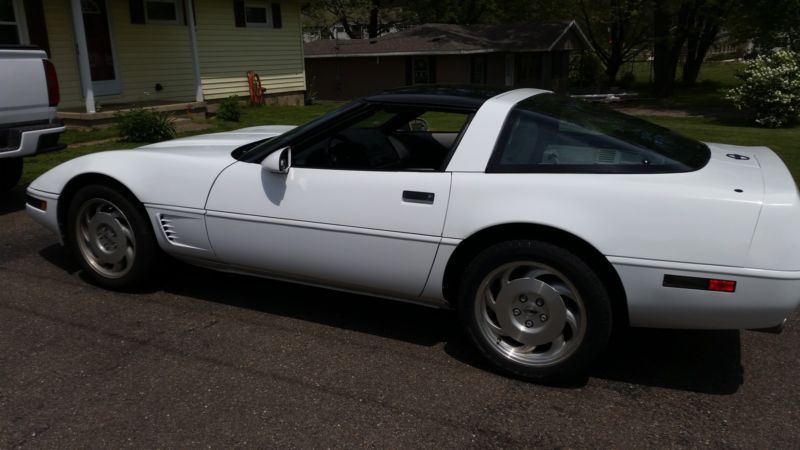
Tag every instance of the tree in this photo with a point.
(377, 16)
(691, 23)
(768, 23)
(617, 29)
(706, 24)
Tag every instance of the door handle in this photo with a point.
(418, 197)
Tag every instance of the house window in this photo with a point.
(478, 69)
(162, 11)
(9, 26)
(422, 70)
(256, 14)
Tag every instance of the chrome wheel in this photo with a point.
(105, 238)
(530, 313)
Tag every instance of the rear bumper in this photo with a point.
(763, 298)
(31, 139)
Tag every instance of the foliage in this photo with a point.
(770, 91)
(626, 80)
(619, 30)
(586, 70)
(769, 23)
(144, 125)
(311, 95)
(230, 109)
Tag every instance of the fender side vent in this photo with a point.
(167, 228)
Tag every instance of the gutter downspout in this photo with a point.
(198, 82)
(83, 55)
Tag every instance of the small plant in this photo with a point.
(229, 109)
(311, 94)
(770, 89)
(144, 125)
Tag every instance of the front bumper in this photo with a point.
(43, 208)
(763, 298)
(30, 140)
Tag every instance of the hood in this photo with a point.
(218, 143)
(179, 172)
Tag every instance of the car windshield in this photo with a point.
(568, 128)
(267, 145)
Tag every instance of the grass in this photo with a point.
(714, 79)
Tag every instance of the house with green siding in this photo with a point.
(111, 52)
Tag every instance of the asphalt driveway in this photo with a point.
(220, 360)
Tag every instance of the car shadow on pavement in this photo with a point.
(376, 316)
(697, 361)
(12, 201)
(690, 360)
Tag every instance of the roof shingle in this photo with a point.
(448, 39)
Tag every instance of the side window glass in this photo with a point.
(534, 140)
(385, 139)
(547, 133)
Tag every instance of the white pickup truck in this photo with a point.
(29, 95)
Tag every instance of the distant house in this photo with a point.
(156, 51)
(529, 55)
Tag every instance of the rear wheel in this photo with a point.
(10, 173)
(111, 237)
(535, 310)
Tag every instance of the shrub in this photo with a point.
(230, 109)
(770, 89)
(144, 125)
(311, 95)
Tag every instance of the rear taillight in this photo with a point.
(53, 93)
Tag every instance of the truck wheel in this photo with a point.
(535, 310)
(10, 173)
(112, 238)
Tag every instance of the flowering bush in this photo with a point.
(770, 91)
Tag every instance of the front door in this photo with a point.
(105, 80)
(362, 207)
(351, 229)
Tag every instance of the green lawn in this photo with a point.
(785, 142)
(715, 78)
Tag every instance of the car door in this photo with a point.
(362, 230)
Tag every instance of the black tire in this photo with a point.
(596, 312)
(139, 273)
(10, 173)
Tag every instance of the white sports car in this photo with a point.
(544, 221)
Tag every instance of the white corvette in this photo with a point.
(544, 221)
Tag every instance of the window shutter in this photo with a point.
(137, 10)
(277, 20)
(37, 28)
(432, 69)
(409, 71)
(238, 13)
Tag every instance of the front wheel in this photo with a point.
(111, 237)
(535, 310)
(10, 173)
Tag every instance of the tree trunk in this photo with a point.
(668, 44)
(612, 69)
(374, 24)
(699, 44)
